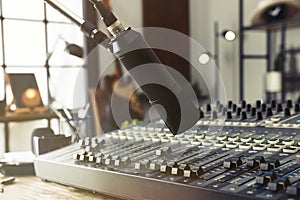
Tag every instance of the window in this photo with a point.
(30, 31)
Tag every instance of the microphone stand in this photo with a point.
(72, 49)
(89, 29)
(50, 97)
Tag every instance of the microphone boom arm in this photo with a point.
(89, 29)
(132, 50)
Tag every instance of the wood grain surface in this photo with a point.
(33, 188)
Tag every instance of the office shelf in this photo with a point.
(279, 26)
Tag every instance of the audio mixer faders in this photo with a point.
(235, 151)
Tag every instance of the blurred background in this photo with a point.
(259, 62)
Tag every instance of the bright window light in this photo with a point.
(27, 39)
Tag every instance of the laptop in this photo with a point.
(25, 90)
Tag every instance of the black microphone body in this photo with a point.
(178, 112)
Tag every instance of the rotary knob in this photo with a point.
(248, 107)
(259, 116)
(243, 104)
(287, 112)
(263, 107)
(279, 107)
(258, 104)
(273, 103)
(289, 103)
(229, 104)
(238, 112)
(244, 115)
(229, 115)
(269, 112)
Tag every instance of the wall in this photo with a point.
(129, 13)
(255, 43)
(205, 13)
(203, 16)
(20, 137)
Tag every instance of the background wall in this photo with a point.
(129, 13)
(203, 14)
(20, 133)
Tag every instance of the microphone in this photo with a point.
(129, 46)
(132, 50)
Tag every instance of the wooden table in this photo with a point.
(23, 117)
(33, 188)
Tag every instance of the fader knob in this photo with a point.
(165, 168)
(256, 161)
(232, 163)
(192, 173)
(175, 170)
(280, 185)
(270, 165)
(265, 178)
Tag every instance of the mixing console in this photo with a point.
(237, 151)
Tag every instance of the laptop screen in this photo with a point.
(25, 90)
